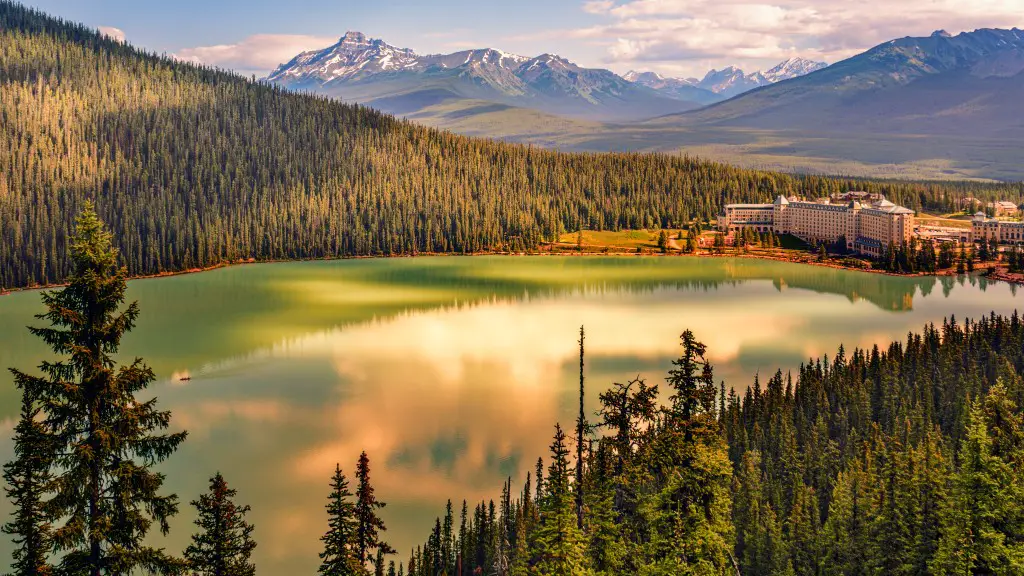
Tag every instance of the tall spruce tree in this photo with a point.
(581, 435)
(558, 547)
(29, 479)
(368, 524)
(340, 556)
(690, 476)
(105, 441)
(759, 544)
(224, 543)
(846, 530)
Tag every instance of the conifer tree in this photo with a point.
(448, 540)
(558, 547)
(29, 479)
(224, 544)
(845, 532)
(606, 541)
(581, 431)
(340, 556)
(803, 532)
(759, 542)
(890, 533)
(105, 441)
(520, 556)
(930, 478)
(982, 527)
(368, 524)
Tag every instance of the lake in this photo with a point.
(451, 371)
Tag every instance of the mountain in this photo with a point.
(969, 84)
(725, 83)
(680, 88)
(400, 81)
(731, 81)
(939, 106)
(792, 68)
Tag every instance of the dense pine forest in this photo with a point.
(902, 461)
(192, 167)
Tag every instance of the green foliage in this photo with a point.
(224, 544)
(983, 527)
(915, 257)
(760, 547)
(368, 524)
(104, 441)
(29, 479)
(341, 555)
(558, 547)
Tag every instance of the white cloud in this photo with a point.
(259, 53)
(598, 6)
(689, 36)
(112, 33)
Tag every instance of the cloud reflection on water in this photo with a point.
(452, 372)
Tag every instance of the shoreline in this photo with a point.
(1000, 275)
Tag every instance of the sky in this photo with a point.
(673, 37)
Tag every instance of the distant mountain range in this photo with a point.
(724, 83)
(401, 81)
(934, 106)
(970, 84)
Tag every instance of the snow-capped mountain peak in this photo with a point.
(353, 38)
(729, 81)
(792, 68)
(368, 69)
(354, 55)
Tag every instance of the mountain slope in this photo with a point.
(392, 79)
(935, 85)
(792, 68)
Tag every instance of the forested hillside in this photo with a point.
(902, 461)
(192, 166)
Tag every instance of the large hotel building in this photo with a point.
(1004, 232)
(866, 228)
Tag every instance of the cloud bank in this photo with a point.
(681, 37)
(257, 54)
(112, 33)
(687, 36)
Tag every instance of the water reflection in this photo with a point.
(451, 371)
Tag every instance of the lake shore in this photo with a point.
(566, 250)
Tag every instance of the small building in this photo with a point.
(1004, 208)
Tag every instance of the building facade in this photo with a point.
(868, 229)
(984, 228)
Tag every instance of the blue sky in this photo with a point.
(674, 37)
